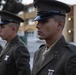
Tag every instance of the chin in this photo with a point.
(41, 38)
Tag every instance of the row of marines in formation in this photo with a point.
(55, 57)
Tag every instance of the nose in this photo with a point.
(0, 29)
(0, 32)
(38, 25)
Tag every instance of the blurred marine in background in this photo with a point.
(14, 57)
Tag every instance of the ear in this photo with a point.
(13, 28)
(60, 24)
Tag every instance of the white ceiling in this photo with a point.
(71, 2)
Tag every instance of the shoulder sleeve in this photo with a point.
(70, 66)
(72, 47)
(22, 59)
(0, 48)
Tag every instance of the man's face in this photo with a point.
(5, 32)
(47, 29)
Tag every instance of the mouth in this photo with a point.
(39, 33)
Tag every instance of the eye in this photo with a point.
(43, 21)
(2, 26)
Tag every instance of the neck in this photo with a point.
(49, 42)
(10, 38)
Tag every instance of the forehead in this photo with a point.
(4, 25)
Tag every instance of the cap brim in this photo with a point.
(38, 18)
(3, 23)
